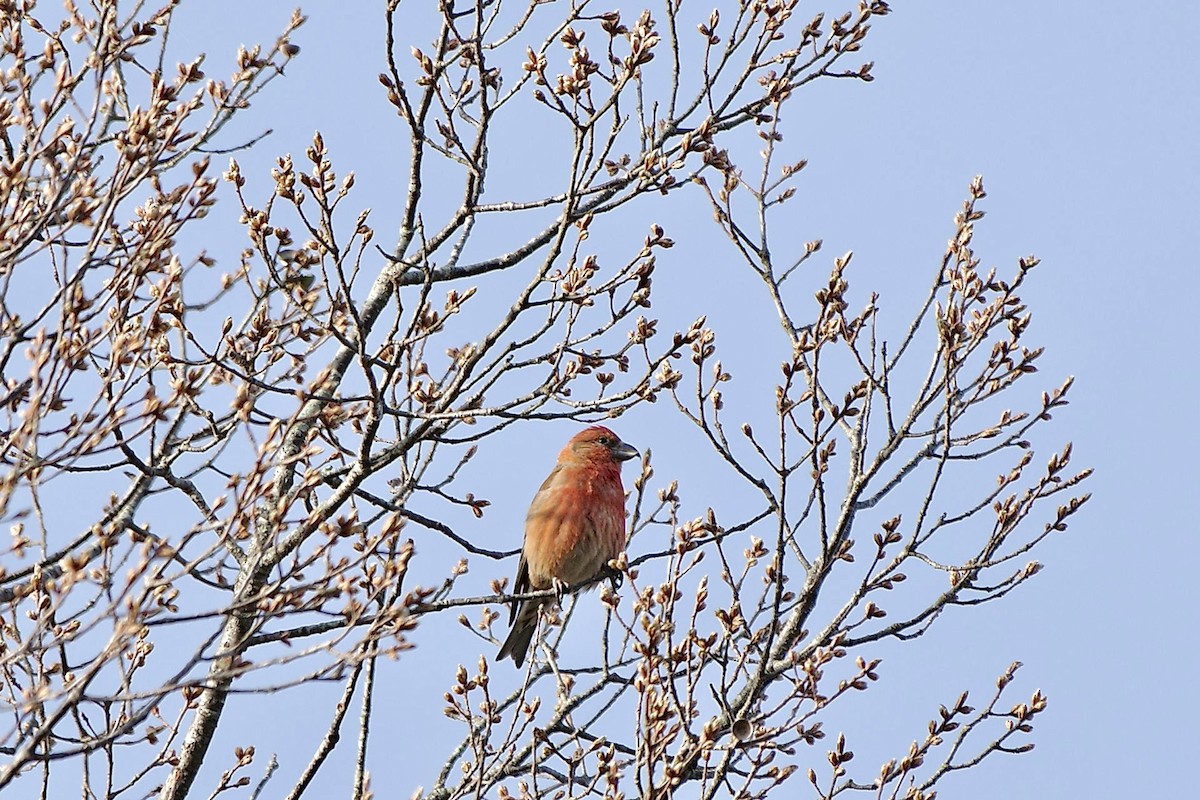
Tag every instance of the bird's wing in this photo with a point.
(522, 583)
(551, 479)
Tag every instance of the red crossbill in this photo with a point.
(575, 526)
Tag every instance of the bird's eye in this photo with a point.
(604, 440)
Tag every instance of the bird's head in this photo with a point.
(598, 443)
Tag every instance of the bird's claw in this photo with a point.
(560, 588)
(616, 578)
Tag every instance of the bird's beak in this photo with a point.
(623, 452)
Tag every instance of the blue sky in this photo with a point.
(1083, 119)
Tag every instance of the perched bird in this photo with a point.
(575, 526)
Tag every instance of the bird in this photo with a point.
(575, 526)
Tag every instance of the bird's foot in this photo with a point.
(615, 577)
(560, 589)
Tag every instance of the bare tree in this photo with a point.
(248, 451)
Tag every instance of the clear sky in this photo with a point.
(1083, 118)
